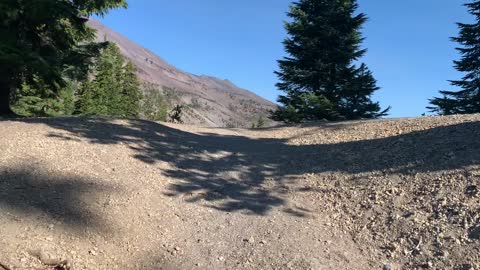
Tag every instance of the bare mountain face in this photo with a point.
(208, 101)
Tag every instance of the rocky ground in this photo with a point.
(111, 194)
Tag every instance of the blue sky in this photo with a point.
(408, 43)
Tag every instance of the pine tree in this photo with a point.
(115, 89)
(108, 81)
(38, 100)
(466, 100)
(131, 92)
(40, 38)
(357, 91)
(318, 78)
(100, 96)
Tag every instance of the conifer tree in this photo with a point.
(318, 77)
(101, 96)
(40, 38)
(466, 100)
(356, 102)
(115, 89)
(131, 92)
(33, 100)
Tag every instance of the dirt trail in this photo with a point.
(111, 194)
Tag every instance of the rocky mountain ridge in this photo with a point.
(209, 101)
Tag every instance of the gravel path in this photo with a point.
(118, 194)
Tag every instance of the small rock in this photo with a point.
(387, 266)
(176, 248)
(249, 240)
(93, 252)
(466, 266)
(475, 233)
(472, 190)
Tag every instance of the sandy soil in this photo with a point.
(128, 194)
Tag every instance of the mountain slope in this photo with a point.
(212, 101)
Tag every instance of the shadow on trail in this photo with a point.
(244, 174)
(60, 198)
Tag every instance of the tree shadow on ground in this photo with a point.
(244, 174)
(61, 198)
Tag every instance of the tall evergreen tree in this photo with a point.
(115, 89)
(466, 100)
(39, 39)
(100, 96)
(131, 93)
(319, 78)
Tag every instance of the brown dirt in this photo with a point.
(128, 194)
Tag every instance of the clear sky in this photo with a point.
(408, 43)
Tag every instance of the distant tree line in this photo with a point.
(111, 89)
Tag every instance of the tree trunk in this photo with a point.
(5, 99)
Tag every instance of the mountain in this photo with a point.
(209, 101)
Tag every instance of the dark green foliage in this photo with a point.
(466, 100)
(115, 89)
(357, 91)
(39, 101)
(319, 78)
(67, 98)
(305, 107)
(131, 94)
(46, 40)
(101, 95)
(154, 104)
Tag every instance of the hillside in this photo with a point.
(110, 194)
(213, 102)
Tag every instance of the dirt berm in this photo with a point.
(131, 194)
